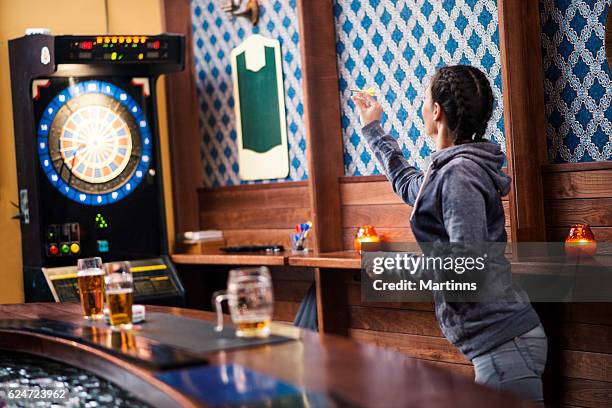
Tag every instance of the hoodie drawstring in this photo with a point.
(418, 197)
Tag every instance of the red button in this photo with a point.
(53, 249)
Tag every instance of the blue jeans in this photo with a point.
(515, 366)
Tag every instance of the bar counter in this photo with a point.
(345, 372)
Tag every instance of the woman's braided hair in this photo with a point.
(465, 95)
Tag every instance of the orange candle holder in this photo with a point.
(580, 241)
(368, 234)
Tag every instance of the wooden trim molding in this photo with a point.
(324, 147)
(183, 128)
(575, 167)
(253, 187)
(362, 179)
(521, 57)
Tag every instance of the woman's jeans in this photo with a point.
(515, 366)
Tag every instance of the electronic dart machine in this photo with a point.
(88, 159)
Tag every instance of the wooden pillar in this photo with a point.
(523, 90)
(324, 147)
(183, 128)
(324, 150)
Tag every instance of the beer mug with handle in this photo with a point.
(250, 300)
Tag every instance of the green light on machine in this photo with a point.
(101, 222)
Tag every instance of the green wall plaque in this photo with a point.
(260, 109)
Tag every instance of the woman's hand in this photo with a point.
(369, 109)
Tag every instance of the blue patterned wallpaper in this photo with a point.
(395, 46)
(577, 83)
(215, 34)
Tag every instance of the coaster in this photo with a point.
(138, 314)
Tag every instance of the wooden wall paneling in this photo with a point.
(183, 128)
(522, 78)
(255, 214)
(422, 323)
(462, 369)
(578, 193)
(587, 337)
(577, 183)
(290, 286)
(292, 194)
(268, 236)
(332, 300)
(354, 299)
(579, 366)
(557, 234)
(595, 212)
(592, 313)
(586, 393)
(289, 290)
(364, 190)
(324, 146)
(586, 365)
(254, 219)
(285, 311)
(422, 347)
(371, 200)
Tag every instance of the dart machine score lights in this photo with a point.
(88, 159)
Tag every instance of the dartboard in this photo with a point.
(94, 143)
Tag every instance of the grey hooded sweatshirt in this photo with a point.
(458, 200)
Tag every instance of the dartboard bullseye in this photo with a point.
(94, 143)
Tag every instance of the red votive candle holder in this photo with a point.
(580, 241)
(368, 234)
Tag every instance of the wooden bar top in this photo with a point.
(356, 374)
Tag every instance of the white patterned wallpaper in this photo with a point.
(395, 46)
(577, 80)
(392, 45)
(215, 34)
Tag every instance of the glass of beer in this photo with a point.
(250, 300)
(90, 280)
(119, 294)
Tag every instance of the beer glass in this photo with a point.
(250, 299)
(119, 294)
(90, 280)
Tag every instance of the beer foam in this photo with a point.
(90, 272)
(119, 291)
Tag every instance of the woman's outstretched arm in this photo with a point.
(405, 179)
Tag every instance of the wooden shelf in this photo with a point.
(221, 258)
(560, 266)
(339, 259)
(351, 260)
